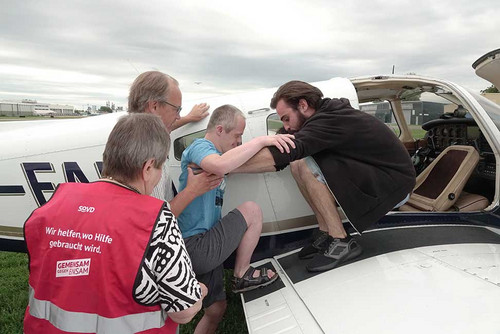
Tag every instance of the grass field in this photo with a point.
(416, 131)
(13, 291)
(14, 298)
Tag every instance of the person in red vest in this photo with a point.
(104, 256)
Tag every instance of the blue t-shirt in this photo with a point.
(205, 210)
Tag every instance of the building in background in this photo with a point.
(32, 108)
(416, 112)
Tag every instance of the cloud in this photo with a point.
(90, 51)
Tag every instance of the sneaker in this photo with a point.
(337, 252)
(318, 242)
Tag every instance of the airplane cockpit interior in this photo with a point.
(454, 162)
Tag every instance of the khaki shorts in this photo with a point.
(315, 170)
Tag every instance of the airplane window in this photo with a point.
(273, 124)
(490, 107)
(181, 143)
(382, 111)
(429, 106)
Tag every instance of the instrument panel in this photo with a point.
(441, 136)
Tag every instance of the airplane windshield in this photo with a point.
(490, 107)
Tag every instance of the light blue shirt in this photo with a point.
(205, 210)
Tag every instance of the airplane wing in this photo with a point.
(425, 279)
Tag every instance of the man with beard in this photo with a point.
(342, 156)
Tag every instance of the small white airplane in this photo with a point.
(41, 112)
(434, 267)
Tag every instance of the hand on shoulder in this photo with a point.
(283, 142)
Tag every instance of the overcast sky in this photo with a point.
(89, 52)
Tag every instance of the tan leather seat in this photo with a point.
(440, 185)
(470, 202)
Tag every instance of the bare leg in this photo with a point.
(212, 317)
(297, 168)
(320, 199)
(253, 217)
(318, 240)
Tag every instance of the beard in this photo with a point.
(300, 122)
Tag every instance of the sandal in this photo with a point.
(248, 282)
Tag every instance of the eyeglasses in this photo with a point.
(179, 108)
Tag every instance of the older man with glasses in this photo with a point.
(178, 108)
(159, 94)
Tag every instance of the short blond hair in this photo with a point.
(226, 116)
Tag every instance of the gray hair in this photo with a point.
(226, 116)
(148, 86)
(135, 139)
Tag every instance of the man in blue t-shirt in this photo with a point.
(210, 239)
(204, 211)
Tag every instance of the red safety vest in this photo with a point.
(86, 246)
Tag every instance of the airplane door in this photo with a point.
(290, 207)
(284, 206)
(252, 187)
